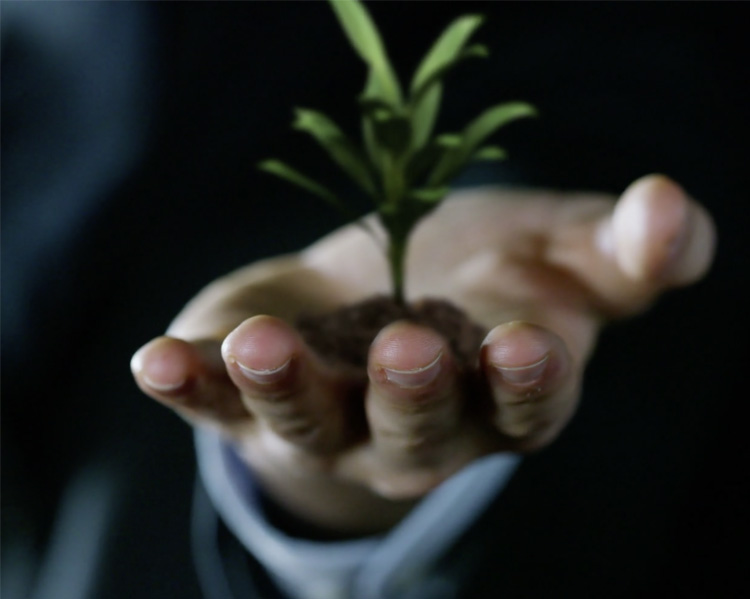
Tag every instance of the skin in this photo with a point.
(543, 272)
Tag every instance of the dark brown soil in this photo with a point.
(345, 336)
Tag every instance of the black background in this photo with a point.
(645, 493)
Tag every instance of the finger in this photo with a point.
(413, 408)
(660, 234)
(533, 381)
(656, 237)
(190, 378)
(290, 391)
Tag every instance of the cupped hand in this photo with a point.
(350, 452)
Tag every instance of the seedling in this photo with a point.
(401, 165)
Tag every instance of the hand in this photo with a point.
(541, 271)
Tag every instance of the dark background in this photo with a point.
(129, 183)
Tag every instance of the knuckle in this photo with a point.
(278, 395)
(420, 403)
(412, 442)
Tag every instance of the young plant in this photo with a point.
(403, 167)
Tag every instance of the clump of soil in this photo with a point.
(345, 336)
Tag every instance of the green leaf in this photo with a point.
(430, 195)
(385, 131)
(425, 99)
(286, 172)
(343, 152)
(426, 90)
(374, 151)
(424, 114)
(450, 163)
(421, 161)
(449, 140)
(433, 154)
(474, 51)
(435, 78)
(392, 132)
(474, 134)
(491, 120)
(490, 153)
(446, 49)
(365, 38)
(373, 104)
(370, 100)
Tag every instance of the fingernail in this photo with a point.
(523, 375)
(136, 362)
(419, 377)
(264, 377)
(137, 367)
(162, 386)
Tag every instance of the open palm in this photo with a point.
(350, 452)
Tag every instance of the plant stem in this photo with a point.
(397, 262)
(397, 222)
